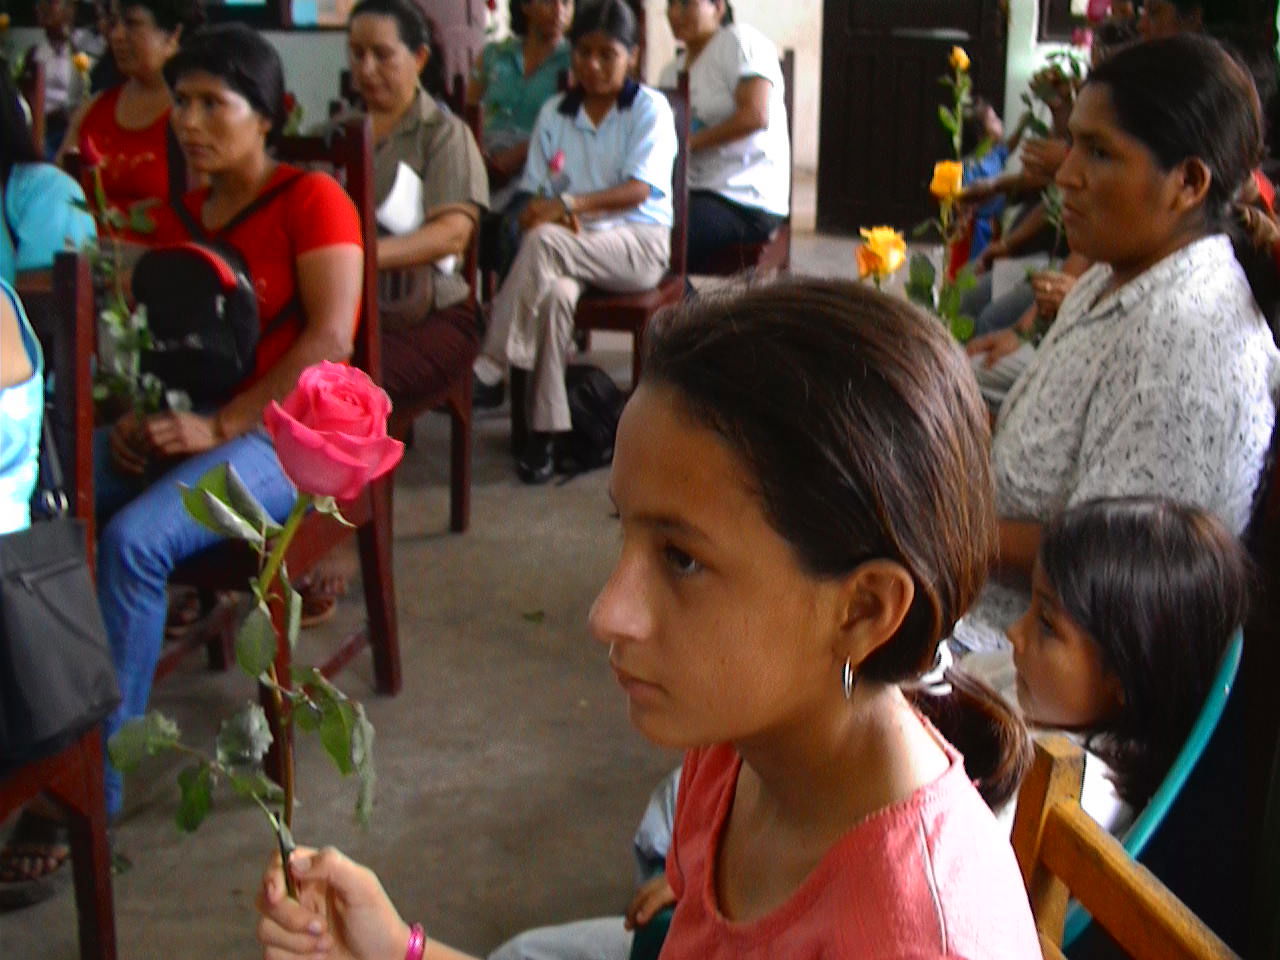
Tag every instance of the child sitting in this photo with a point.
(1134, 600)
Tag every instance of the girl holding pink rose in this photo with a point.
(303, 250)
(802, 483)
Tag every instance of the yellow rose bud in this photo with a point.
(948, 180)
(884, 251)
(81, 62)
(4, 21)
(959, 59)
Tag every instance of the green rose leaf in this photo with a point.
(256, 642)
(244, 739)
(292, 609)
(256, 784)
(216, 514)
(196, 784)
(948, 120)
(962, 328)
(140, 738)
(338, 718)
(920, 277)
(362, 758)
(243, 502)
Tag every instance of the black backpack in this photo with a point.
(595, 406)
(202, 311)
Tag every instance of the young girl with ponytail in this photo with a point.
(803, 488)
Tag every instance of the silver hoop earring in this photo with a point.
(846, 680)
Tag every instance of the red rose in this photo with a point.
(89, 155)
(492, 5)
(290, 103)
(331, 431)
(556, 163)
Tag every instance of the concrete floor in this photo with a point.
(509, 779)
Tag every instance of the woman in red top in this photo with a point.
(127, 125)
(804, 489)
(305, 241)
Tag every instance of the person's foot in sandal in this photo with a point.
(185, 609)
(320, 591)
(35, 862)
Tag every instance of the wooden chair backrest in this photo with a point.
(59, 304)
(788, 67)
(1063, 851)
(347, 153)
(679, 100)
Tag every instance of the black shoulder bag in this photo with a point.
(56, 674)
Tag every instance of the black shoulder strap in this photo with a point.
(198, 230)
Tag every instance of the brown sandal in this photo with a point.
(35, 862)
(320, 598)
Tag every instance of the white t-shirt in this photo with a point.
(754, 171)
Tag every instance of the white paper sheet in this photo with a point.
(402, 211)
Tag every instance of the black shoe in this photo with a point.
(485, 397)
(537, 464)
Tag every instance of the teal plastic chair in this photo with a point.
(1135, 839)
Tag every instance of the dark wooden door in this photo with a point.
(879, 134)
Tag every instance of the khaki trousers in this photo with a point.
(531, 326)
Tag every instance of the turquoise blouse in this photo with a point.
(511, 100)
(21, 407)
(41, 218)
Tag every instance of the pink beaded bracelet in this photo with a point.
(417, 943)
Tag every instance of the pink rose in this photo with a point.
(1098, 10)
(90, 157)
(556, 164)
(331, 431)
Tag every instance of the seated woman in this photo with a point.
(797, 535)
(38, 200)
(35, 850)
(739, 149)
(429, 337)
(1159, 373)
(512, 80)
(303, 251)
(128, 125)
(600, 166)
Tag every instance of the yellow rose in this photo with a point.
(4, 21)
(81, 62)
(959, 59)
(948, 180)
(884, 251)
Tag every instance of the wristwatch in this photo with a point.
(569, 202)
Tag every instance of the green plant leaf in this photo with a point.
(196, 784)
(962, 328)
(336, 723)
(923, 228)
(292, 610)
(329, 506)
(983, 148)
(244, 739)
(920, 278)
(362, 757)
(948, 120)
(140, 738)
(241, 499)
(965, 279)
(256, 642)
(255, 783)
(307, 715)
(114, 218)
(209, 503)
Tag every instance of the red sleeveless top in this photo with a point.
(135, 163)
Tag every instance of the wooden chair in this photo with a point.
(775, 253)
(1063, 851)
(30, 82)
(61, 311)
(630, 312)
(228, 566)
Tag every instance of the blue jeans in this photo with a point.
(145, 532)
(991, 315)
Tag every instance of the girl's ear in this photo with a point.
(421, 56)
(633, 61)
(1194, 180)
(874, 600)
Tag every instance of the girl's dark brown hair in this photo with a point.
(860, 421)
(1159, 587)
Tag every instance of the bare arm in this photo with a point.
(449, 233)
(71, 140)
(329, 286)
(751, 98)
(624, 196)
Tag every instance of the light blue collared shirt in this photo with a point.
(40, 218)
(632, 142)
